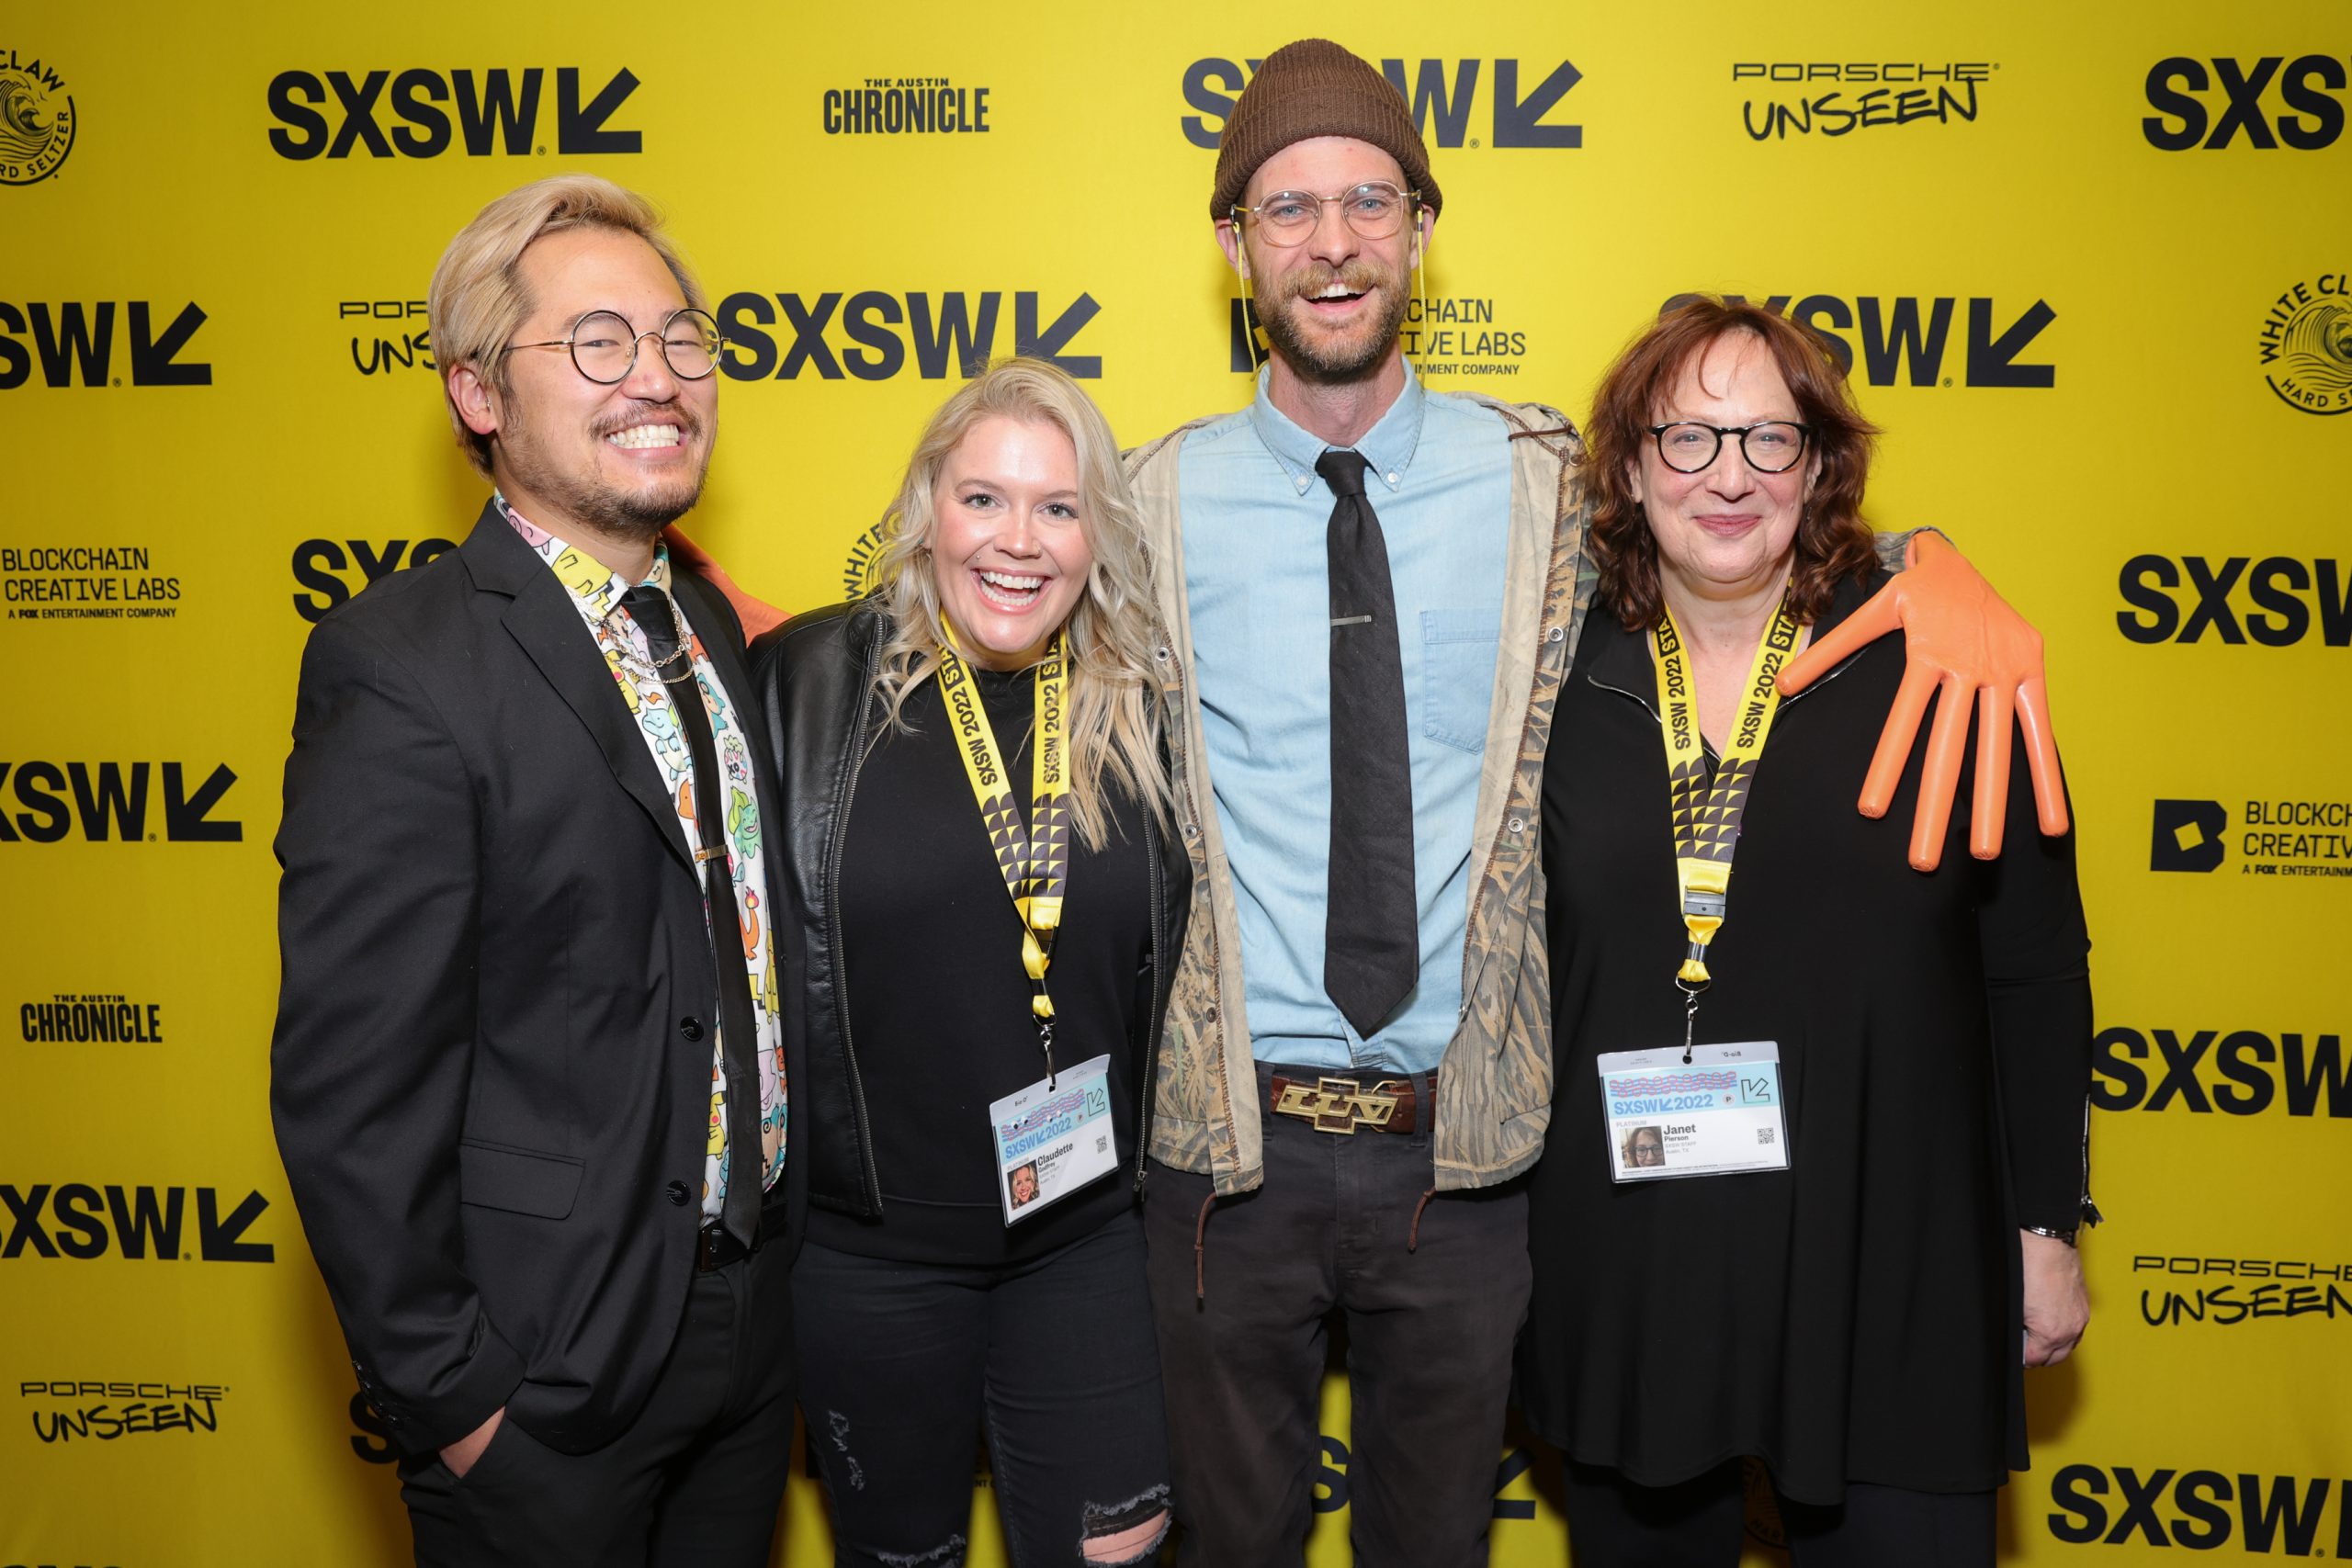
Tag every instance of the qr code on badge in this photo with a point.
(1765, 1135)
(1103, 1145)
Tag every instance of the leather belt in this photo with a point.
(1342, 1105)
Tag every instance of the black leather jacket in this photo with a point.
(817, 716)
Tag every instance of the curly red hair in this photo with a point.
(1833, 542)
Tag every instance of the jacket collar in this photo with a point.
(545, 621)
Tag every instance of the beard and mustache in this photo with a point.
(1316, 355)
(637, 514)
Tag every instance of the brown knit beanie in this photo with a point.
(1313, 88)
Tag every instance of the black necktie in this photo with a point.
(1371, 938)
(738, 1035)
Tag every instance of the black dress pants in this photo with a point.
(694, 1483)
(1430, 1317)
(1613, 1523)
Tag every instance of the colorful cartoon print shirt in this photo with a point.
(597, 591)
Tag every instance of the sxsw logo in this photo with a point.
(1907, 340)
(109, 800)
(873, 336)
(2188, 835)
(423, 114)
(2178, 89)
(1444, 94)
(75, 342)
(2290, 598)
(323, 566)
(2199, 1509)
(2250, 1072)
(82, 1221)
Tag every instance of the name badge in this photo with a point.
(1720, 1115)
(1052, 1139)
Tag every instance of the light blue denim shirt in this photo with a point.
(1257, 578)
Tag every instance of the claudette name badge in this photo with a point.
(1052, 1138)
(1718, 1115)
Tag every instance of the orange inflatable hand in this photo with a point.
(757, 614)
(1967, 644)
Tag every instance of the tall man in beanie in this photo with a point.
(1373, 592)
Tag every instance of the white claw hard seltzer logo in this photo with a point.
(36, 120)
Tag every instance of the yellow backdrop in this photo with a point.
(2090, 262)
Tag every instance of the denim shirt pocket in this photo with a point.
(1458, 674)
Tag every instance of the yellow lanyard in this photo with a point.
(1707, 817)
(1035, 861)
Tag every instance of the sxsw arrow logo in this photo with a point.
(873, 336)
(1444, 95)
(423, 114)
(109, 800)
(1906, 339)
(74, 343)
(76, 1219)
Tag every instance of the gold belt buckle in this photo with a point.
(1336, 1105)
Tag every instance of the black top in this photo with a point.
(1856, 1317)
(939, 1006)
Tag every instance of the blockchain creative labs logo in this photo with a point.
(85, 582)
(906, 106)
(1466, 335)
(2192, 1290)
(2305, 344)
(1781, 98)
(386, 336)
(2274, 837)
(102, 1018)
(37, 120)
(104, 1410)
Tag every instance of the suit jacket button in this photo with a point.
(678, 1193)
(691, 1028)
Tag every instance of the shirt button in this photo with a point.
(678, 1193)
(1516, 823)
(691, 1028)
(1391, 478)
(1556, 634)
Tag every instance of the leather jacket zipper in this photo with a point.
(851, 765)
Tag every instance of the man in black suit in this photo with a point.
(529, 1074)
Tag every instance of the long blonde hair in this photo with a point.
(1110, 636)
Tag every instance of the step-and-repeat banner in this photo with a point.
(2091, 267)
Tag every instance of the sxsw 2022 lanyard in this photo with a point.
(1707, 816)
(1035, 861)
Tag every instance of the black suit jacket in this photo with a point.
(491, 1075)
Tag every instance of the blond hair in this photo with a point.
(1110, 637)
(477, 299)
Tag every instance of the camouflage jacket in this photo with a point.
(1497, 1068)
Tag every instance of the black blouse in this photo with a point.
(1856, 1316)
(938, 1003)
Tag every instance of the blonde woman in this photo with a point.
(986, 908)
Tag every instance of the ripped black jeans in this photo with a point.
(904, 1366)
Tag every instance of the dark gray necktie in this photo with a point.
(1371, 938)
(738, 1034)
